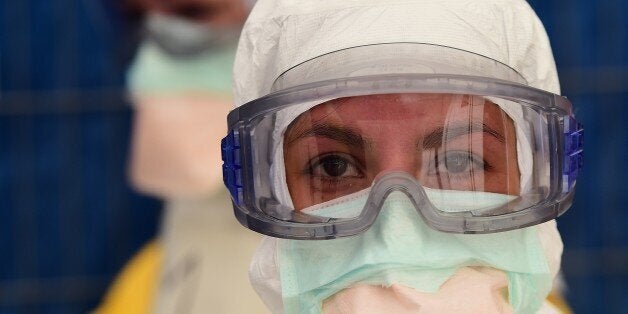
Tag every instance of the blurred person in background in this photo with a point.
(180, 84)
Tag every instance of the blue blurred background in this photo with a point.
(69, 221)
(590, 43)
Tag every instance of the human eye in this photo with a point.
(458, 163)
(334, 166)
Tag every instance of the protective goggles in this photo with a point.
(472, 146)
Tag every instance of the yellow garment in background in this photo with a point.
(133, 291)
(197, 265)
(557, 300)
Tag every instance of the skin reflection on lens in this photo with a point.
(450, 142)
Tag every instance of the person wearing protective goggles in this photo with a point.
(402, 156)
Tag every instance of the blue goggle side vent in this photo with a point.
(573, 160)
(232, 167)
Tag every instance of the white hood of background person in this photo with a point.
(280, 34)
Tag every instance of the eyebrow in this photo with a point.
(337, 133)
(435, 138)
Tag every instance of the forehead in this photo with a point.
(428, 109)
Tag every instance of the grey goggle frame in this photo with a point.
(268, 217)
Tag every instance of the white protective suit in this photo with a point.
(280, 34)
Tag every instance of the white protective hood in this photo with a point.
(280, 34)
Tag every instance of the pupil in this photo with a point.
(457, 163)
(334, 166)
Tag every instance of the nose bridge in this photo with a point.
(400, 181)
(387, 183)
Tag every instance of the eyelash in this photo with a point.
(331, 181)
(316, 161)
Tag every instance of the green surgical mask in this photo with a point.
(155, 71)
(401, 249)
